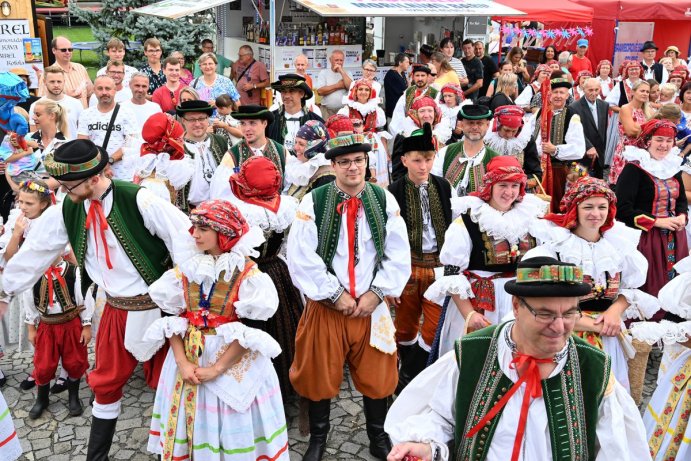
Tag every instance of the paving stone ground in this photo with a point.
(58, 437)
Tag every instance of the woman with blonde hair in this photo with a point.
(210, 85)
(445, 73)
(507, 90)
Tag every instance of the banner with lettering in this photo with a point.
(630, 39)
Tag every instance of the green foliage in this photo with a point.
(116, 19)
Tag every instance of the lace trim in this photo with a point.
(661, 169)
(300, 173)
(266, 219)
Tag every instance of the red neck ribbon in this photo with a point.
(53, 271)
(527, 366)
(96, 219)
(352, 206)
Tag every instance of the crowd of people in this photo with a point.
(497, 246)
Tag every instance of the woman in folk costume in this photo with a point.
(622, 93)
(587, 235)
(218, 397)
(308, 168)
(651, 197)
(362, 103)
(163, 167)
(451, 101)
(524, 99)
(666, 417)
(603, 72)
(257, 194)
(482, 247)
(577, 91)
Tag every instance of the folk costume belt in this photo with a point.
(64, 317)
(426, 260)
(132, 303)
(483, 289)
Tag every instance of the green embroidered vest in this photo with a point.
(148, 253)
(273, 151)
(579, 389)
(413, 215)
(326, 198)
(453, 170)
(410, 95)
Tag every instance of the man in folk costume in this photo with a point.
(463, 164)
(253, 124)
(510, 136)
(558, 134)
(294, 113)
(425, 202)
(423, 110)
(347, 249)
(124, 238)
(526, 387)
(206, 149)
(419, 88)
(163, 167)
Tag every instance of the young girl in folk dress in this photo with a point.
(218, 397)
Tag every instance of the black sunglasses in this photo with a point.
(65, 50)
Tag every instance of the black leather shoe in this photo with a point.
(59, 386)
(27, 384)
(319, 429)
(100, 438)
(375, 414)
(74, 404)
(41, 403)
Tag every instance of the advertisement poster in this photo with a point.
(409, 8)
(32, 50)
(352, 58)
(630, 39)
(13, 49)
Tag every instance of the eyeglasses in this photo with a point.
(196, 120)
(345, 164)
(370, 70)
(70, 189)
(156, 50)
(244, 54)
(65, 50)
(547, 318)
(115, 72)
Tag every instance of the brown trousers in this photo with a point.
(414, 305)
(325, 341)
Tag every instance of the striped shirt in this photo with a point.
(457, 65)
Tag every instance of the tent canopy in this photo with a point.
(411, 8)
(637, 10)
(549, 10)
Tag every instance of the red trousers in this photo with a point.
(115, 364)
(414, 305)
(55, 342)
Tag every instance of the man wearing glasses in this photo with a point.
(347, 250)
(529, 387)
(250, 76)
(116, 71)
(153, 68)
(77, 82)
(124, 239)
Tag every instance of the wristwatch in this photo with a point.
(254, 86)
(111, 160)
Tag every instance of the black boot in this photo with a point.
(413, 361)
(100, 439)
(418, 361)
(42, 393)
(74, 404)
(375, 414)
(319, 429)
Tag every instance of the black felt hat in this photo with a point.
(544, 277)
(347, 144)
(427, 50)
(648, 45)
(194, 106)
(253, 112)
(77, 159)
(293, 81)
(560, 83)
(421, 68)
(419, 140)
(474, 112)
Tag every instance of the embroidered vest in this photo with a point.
(273, 151)
(408, 198)
(600, 297)
(453, 170)
(494, 255)
(328, 220)
(322, 176)
(369, 121)
(410, 95)
(63, 293)
(572, 398)
(148, 253)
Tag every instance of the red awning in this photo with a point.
(635, 10)
(549, 11)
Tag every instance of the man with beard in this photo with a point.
(94, 125)
(123, 238)
(54, 84)
(419, 88)
(293, 114)
(509, 136)
(253, 123)
(116, 71)
(463, 163)
(563, 144)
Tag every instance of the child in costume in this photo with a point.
(218, 397)
(13, 149)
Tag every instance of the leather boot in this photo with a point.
(319, 429)
(404, 356)
(418, 361)
(375, 414)
(74, 404)
(42, 393)
(412, 363)
(100, 438)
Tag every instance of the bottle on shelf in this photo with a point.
(320, 35)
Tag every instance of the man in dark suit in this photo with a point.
(593, 113)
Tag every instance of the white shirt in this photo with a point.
(142, 111)
(94, 124)
(72, 106)
(574, 140)
(458, 67)
(204, 167)
(593, 110)
(125, 94)
(327, 77)
(292, 125)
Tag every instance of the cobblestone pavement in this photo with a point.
(58, 437)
